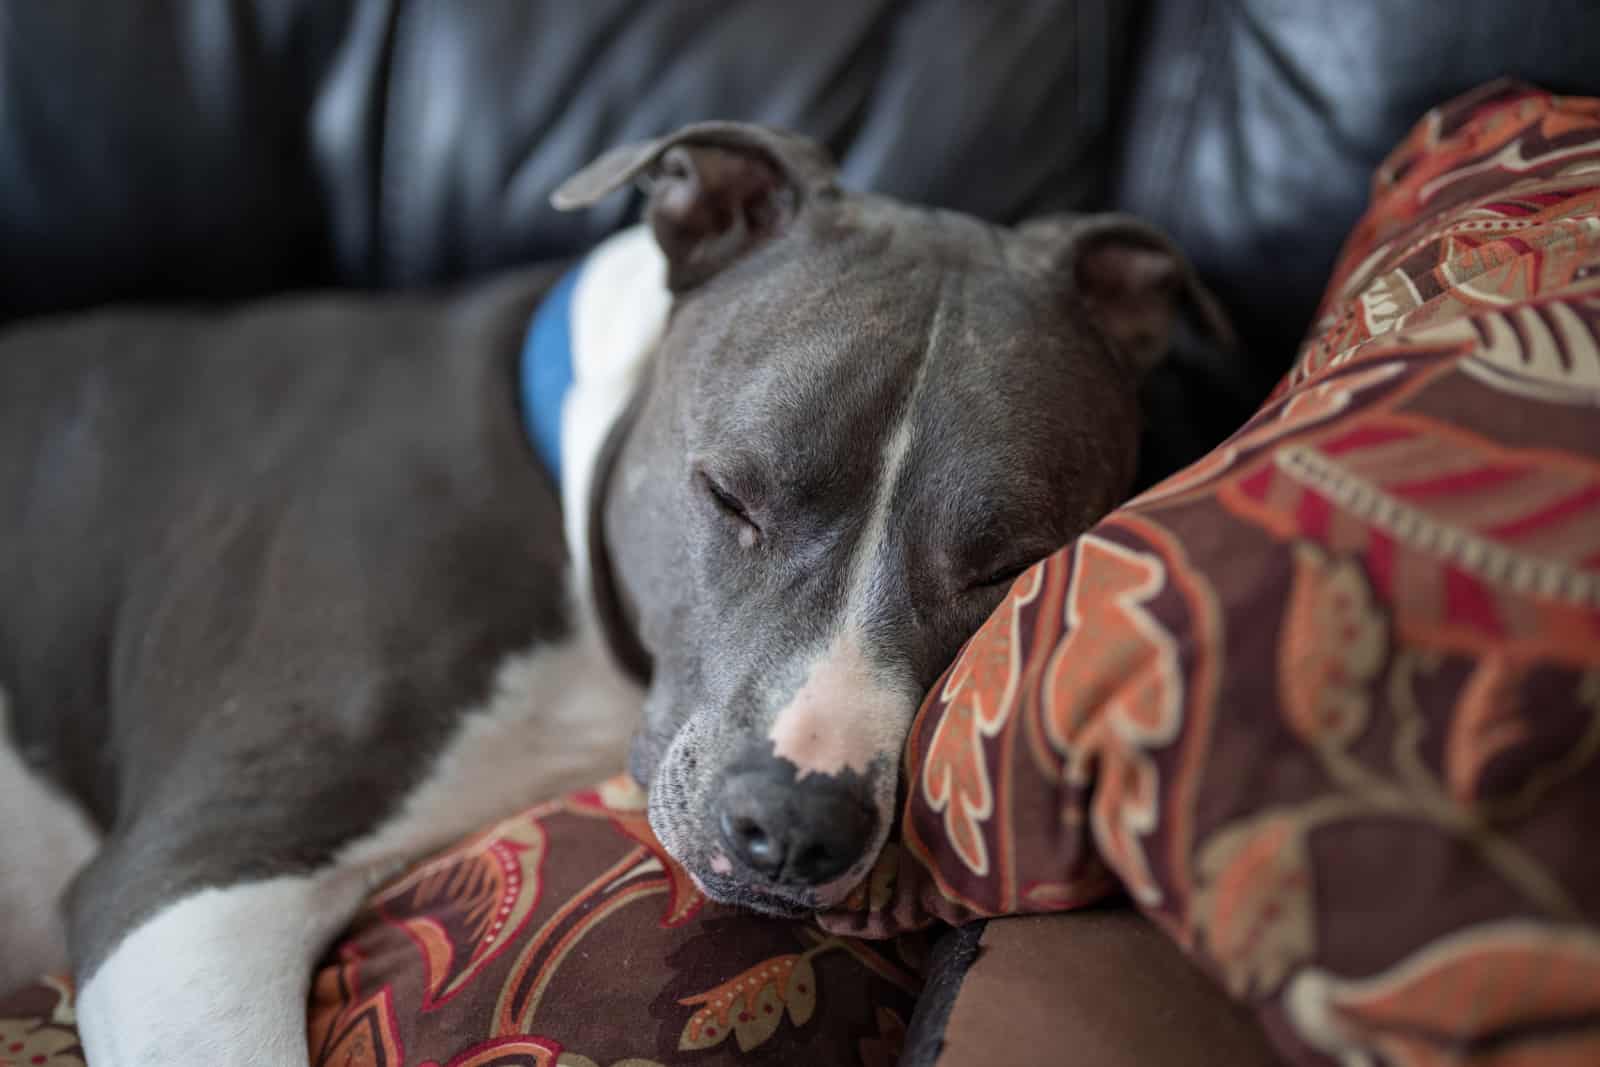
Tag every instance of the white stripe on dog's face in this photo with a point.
(846, 714)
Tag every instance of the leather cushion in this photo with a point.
(1100, 986)
(1254, 126)
(194, 149)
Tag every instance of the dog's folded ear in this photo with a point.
(716, 190)
(1130, 278)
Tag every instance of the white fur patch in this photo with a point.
(219, 977)
(843, 717)
(619, 310)
(846, 714)
(47, 839)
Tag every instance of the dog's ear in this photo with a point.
(716, 190)
(1129, 277)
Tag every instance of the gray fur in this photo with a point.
(252, 568)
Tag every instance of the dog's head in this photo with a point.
(864, 419)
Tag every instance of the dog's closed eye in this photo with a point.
(1006, 574)
(1001, 561)
(732, 507)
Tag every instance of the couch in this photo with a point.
(186, 150)
(213, 153)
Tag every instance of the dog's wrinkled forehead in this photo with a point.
(805, 356)
(820, 339)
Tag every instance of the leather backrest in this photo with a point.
(206, 149)
(1255, 127)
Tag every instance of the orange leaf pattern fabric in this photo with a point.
(1326, 704)
(38, 1027)
(1499, 993)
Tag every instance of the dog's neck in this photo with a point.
(587, 347)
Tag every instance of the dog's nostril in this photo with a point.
(752, 842)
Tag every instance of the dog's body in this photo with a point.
(282, 610)
(278, 622)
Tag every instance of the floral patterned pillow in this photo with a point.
(564, 936)
(1326, 705)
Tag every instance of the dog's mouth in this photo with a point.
(779, 901)
(737, 886)
(753, 832)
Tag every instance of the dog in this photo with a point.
(280, 614)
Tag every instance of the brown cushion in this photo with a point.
(1100, 987)
(563, 935)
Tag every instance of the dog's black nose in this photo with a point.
(806, 832)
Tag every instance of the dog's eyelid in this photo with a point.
(1003, 575)
(721, 488)
(729, 503)
(727, 499)
(1014, 565)
(741, 474)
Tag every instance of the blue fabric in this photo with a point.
(547, 370)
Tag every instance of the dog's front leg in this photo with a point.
(216, 976)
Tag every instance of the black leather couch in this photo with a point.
(183, 150)
(180, 150)
(208, 150)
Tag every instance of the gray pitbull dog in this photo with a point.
(279, 614)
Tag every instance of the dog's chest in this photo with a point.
(557, 717)
(560, 716)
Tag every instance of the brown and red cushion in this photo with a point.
(564, 935)
(1325, 706)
